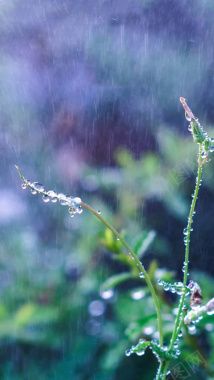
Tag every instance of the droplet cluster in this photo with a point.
(139, 349)
(176, 287)
(73, 203)
(161, 352)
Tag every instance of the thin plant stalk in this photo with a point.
(139, 265)
(179, 318)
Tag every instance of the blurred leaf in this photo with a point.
(3, 311)
(24, 314)
(115, 280)
(31, 313)
(109, 240)
(135, 329)
(143, 243)
(152, 269)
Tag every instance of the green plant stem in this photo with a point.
(180, 317)
(139, 265)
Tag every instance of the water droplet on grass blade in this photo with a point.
(188, 118)
(77, 200)
(45, 198)
(141, 275)
(140, 353)
(62, 199)
(185, 231)
(38, 186)
(52, 195)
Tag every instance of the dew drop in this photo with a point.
(62, 199)
(77, 200)
(99, 212)
(210, 312)
(141, 275)
(52, 195)
(79, 210)
(128, 352)
(191, 329)
(46, 198)
(188, 118)
(140, 353)
(38, 186)
(33, 191)
(24, 186)
(185, 231)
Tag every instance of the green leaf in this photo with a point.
(143, 243)
(24, 314)
(115, 280)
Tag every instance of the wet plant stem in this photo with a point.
(180, 315)
(139, 265)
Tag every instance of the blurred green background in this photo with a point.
(89, 106)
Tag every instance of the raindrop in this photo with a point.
(166, 287)
(192, 330)
(33, 191)
(141, 275)
(140, 353)
(210, 312)
(128, 352)
(188, 118)
(77, 200)
(24, 186)
(38, 186)
(99, 212)
(172, 289)
(52, 195)
(62, 199)
(79, 210)
(185, 231)
(46, 198)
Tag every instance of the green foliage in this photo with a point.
(30, 313)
